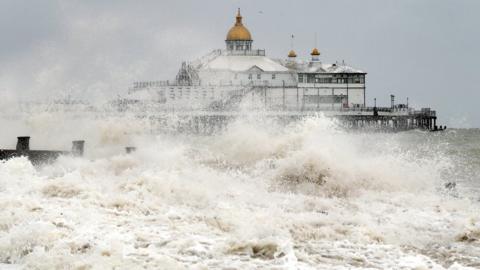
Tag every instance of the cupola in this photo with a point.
(315, 54)
(238, 37)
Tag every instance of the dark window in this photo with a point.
(323, 99)
(259, 76)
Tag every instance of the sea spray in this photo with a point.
(261, 193)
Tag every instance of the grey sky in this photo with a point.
(426, 50)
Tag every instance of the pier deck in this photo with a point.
(385, 119)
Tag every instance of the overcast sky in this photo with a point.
(424, 50)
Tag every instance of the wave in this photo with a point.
(261, 193)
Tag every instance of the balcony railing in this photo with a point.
(247, 53)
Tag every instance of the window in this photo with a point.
(249, 76)
(259, 76)
(323, 80)
(300, 78)
(323, 99)
(273, 76)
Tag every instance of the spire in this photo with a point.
(315, 53)
(239, 18)
(292, 53)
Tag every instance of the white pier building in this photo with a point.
(224, 77)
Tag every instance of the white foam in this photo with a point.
(303, 196)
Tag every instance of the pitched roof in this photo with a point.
(244, 63)
(319, 67)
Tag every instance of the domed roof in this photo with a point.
(238, 31)
(292, 54)
(315, 52)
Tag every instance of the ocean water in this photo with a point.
(259, 195)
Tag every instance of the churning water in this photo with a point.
(259, 195)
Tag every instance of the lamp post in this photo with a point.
(375, 102)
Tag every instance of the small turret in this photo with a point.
(315, 54)
(292, 54)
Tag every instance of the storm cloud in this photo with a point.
(423, 50)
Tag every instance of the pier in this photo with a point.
(286, 102)
(370, 118)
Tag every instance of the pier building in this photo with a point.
(225, 74)
(214, 87)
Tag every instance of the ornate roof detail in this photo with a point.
(238, 31)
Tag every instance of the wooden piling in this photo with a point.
(23, 144)
(77, 148)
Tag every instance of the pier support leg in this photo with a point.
(77, 148)
(23, 144)
(130, 149)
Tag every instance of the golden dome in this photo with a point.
(315, 52)
(292, 54)
(238, 31)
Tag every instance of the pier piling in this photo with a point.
(130, 149)
(23, 144)
(77, 148)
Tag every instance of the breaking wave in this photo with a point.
(260, 194)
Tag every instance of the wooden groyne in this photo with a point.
(39, 156)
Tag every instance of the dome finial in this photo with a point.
(315, 53)
(239, 18)
(292, 53)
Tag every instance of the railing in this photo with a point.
(147, 84)
(253, 83)
(245, 52)
(426, 112)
